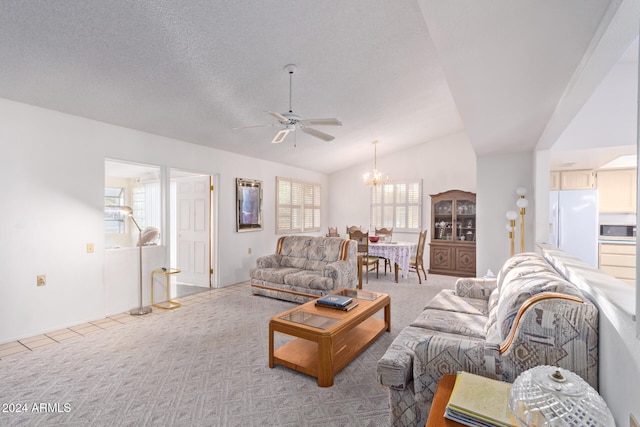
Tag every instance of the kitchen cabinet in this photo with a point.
(453, 234)
(577, 180)
(617, 190)
(618, 260)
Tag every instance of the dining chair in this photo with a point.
(386, 234)
(417, 263)
(351, 228)
(369, 262)
(333, 232)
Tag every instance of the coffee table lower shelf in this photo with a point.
(303, 355)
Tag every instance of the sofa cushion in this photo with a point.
(531, 259)
(493, 311)
(309, 279)
(464, 324)
(294, 251)
(448, 300)
(274, 275)
(323, 250)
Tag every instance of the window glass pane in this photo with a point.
(401, 217)
(387, 219)
(413, 217)
(284, 192)
(387, 196)
(401, 193)
(376, 194)
(413, 193)
(296, 218)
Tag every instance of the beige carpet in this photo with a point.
(200, 365)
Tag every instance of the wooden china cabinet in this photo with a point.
(453, 234)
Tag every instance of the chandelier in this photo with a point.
(374, 176)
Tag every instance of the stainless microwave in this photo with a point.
(617, 231)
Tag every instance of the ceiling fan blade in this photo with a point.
(317, 134)
(278, 116)
(255, 126)
(280, 136)
(321, 122)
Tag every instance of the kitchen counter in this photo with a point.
(617, 242)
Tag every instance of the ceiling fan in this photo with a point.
(291, 122)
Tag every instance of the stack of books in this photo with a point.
(337, 301)
(478, 401)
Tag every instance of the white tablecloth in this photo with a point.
(398, 252)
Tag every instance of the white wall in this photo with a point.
(52, 167)
(445, 164)
(498, 177)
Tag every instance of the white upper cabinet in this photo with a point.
(575, 180)
(617, 190)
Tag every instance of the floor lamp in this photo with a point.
(522, 204)
(511, 225)
(141, 310)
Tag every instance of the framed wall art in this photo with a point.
(248, 204)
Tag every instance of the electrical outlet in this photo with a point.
(41, 279)
(249, 251)
(632, 421)
(90, 248)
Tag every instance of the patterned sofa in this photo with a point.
(529, 315)
(306, 267)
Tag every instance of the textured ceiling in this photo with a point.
(194, 70)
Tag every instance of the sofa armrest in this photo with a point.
(475, 287)
(269, 261)
(395, 367)
(342, 273)
(553, 329)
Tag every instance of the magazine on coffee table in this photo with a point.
(348, 307)
(334, 301)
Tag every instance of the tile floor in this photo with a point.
(26, 345)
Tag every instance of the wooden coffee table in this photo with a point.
(327, 338)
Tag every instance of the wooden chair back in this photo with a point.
(362, 239)
(422, 240)
(385, 233)
(352, 228)
(333, 232)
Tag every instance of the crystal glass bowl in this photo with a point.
(552, 396)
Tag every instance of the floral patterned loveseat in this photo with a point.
(528, 316)
(306, 267)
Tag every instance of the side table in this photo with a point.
(169, 304)
(440, 399)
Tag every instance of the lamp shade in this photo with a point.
(521, 191)
(522, 203)
(512, 215)
(552, 396)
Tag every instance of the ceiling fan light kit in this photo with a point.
(292, 122)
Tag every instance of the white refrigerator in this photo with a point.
(573, 217)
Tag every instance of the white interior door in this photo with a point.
(193, 230)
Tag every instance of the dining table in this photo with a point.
(398, 253)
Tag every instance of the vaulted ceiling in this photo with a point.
(511, 75)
